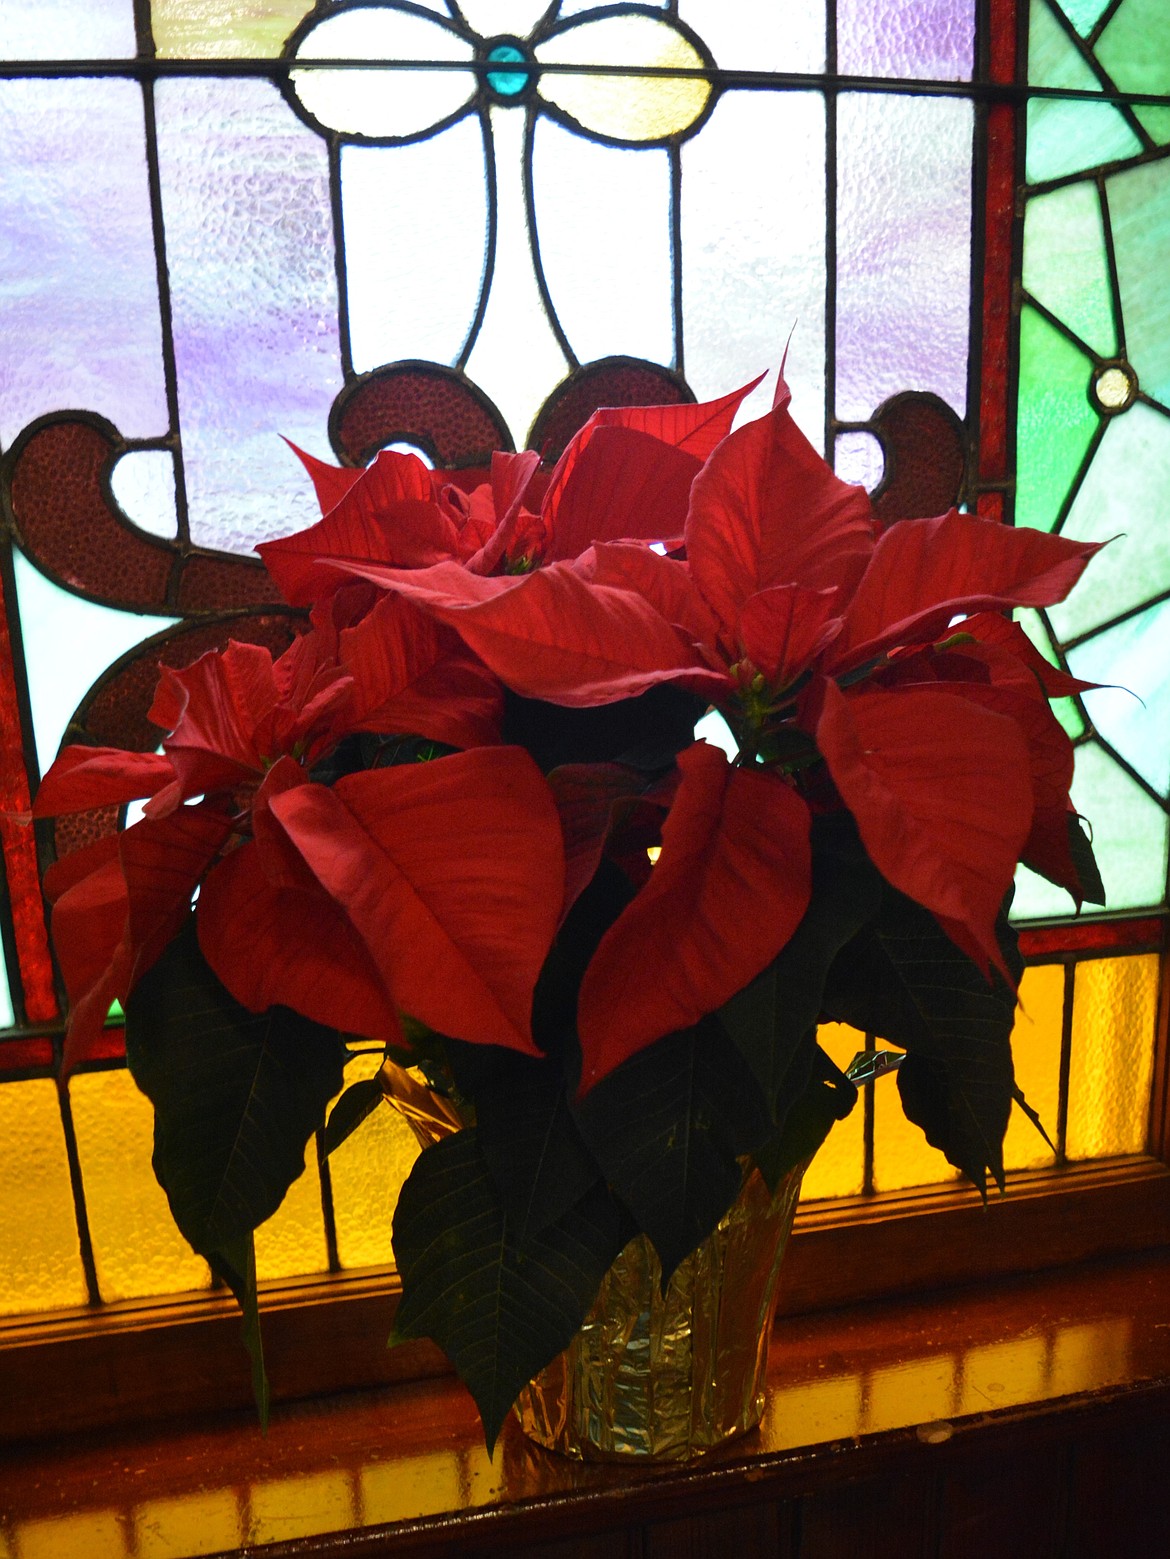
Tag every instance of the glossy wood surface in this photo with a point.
(932, 1412)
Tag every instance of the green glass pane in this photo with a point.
(1139, 209)
(1135, 50)
(6, 1013)
(1084, 14)
(1129, 830)
(205, 29)
(1122, 502)
(1132, 713)
(1066, 710)
(1054, 419)
(1065, 137)
(1064, 262)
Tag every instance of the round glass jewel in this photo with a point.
(1114, 388)
(507, 83)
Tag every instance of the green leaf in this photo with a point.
(357, 1103)
(667, 1127)
(1081, 849)
(236, 1094)
(236, 1265)
(499, 1307)
(827, 1098)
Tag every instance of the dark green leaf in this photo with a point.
(236, 1094)
(1081, 849)
(644, 732)
(500, 1308)
(827, 1097)
(357, 1103)
(1032, 1115)
(236, 1265)
(667, 1126)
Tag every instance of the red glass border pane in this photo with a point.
(1099, 936)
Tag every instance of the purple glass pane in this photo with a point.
(933, 40)
(254, 296)
(78, 294)
(903, 249)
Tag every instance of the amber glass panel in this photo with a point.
(1036, 1058)
(204, 29)
(194, 1524)
(98, 1535)
(839, 1167)
(368, 1170)
(292, 1242)
(1115, 1004)
(901, 1154)
(137, 1249)
(41, 1265)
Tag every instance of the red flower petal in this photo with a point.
(331, 483)
(663, 581)
(162, 861)
(626, 484)
(89, 923)
(85, 777)
(729, 889)
(784, 628)
(995, 629)
(588, 798)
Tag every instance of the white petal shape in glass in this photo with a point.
(382, 104)
(753, 252)
(490, 18)
(764, 36)
(516, 359)
(143, 484)
(859, 458)
(414, 264)
(1132, 711)
(1064, 262)
(629, 109)
(603, 220)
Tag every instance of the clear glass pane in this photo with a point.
(1036, 1060)
(368, 1170)
(753, 252)
(67, 30)
(838, 1168)
(221, 29)
(1139, 205)
(903, 249)
(1066, 136)
(38, 1235)
(1054, 419)
(931, 39)
(78, 292)
(1065, 266)
(1132, 712)
(1135, 49)
(254, 297)
(625, 108)
(136, 1247)
(762, 36)
(603, 221)
(1115, 1004)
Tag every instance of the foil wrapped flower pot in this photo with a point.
(668, 1376)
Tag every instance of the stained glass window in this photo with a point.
(464, 226)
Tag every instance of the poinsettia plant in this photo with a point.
(430, 824)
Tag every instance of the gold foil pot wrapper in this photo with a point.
(428, 1114)
(669, 1377)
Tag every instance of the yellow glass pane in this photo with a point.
(197, 1523)
(98, 1534)
(812, 1412)
(1085, 1357)
(917, 1391)
(297, 1507)
(901, 1154)
(399, 1490)
(839, 1167)
(367, 1171)
(41, 1265)
(1036, 1059)
(626, 108)
(1115, 1003)
(292, 1242)
(1003, 1373)
(214, 29)
(136, 1247)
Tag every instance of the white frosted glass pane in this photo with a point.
(68, 642)
(67, 30)
(254, 298)
(143, 485)
(516, 359)
(769, 35)
(518, 17)
(1133, 713)
(414, 264)
(1119, 502)
(576, 7)
(603, 219)
(1064, 263)
(931, 39)
(753, 250)
(903, 250)
(859, 458)
(77, 289)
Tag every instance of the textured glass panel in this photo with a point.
(254, 295)
(1122, 497)
(98, 1534)
(1036, 1060)
(413, 285)
(368, 1170)
(42, 1263)
(1133, 712)
(628, 108)
(1084, 14)
(382, 103)
(1115, 1004)
(194, 1523)
(760, 37)
(136, 1247)
(311, 1503)
(206, 29)
(143, 484)
(54, 623)
(292, 1242)
(1066, 136)
(901, 1154)
(77, 290)
(1135, 50)
(1065, 266)
(930, 39)
(838, 1168)
(1139, 206)
(1054, 420)
(67, 30)
(518, 380)
(603, 219)
(753, 252)
(391, 1490)
(903, 249)
(503, 16)
(859, 458)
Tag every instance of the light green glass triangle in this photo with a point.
(1084, 14)
(1132, 712)
(1139, 209)
(1067, 137)
(1065, 709)
(1064, 262)
(1135, 50)
(1121, 501)
(1054, 420)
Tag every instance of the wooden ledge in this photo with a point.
(902, 1390)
